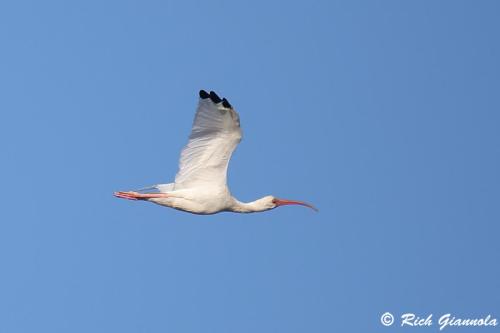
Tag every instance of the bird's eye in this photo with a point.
(274, 201)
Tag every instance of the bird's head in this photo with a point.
(271, 202)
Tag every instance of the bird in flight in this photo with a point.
(200, 184)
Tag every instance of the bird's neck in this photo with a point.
(247, 207)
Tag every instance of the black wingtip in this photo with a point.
(204, 94)
(226, 103)
(216, 99)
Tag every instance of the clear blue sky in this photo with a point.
(384, 114)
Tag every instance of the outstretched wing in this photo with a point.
(214, 136)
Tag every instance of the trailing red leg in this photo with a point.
(138, 196)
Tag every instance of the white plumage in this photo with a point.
(200, 185)
(215, 134)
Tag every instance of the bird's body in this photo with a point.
(195, 200)
(200, 185)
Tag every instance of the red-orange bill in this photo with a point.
(283, 202)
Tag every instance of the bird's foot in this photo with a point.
(126, 195)
(130, 195)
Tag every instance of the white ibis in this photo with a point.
(200, 184)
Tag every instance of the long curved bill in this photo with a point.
(283, 202)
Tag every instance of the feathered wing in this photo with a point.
(214, 136)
